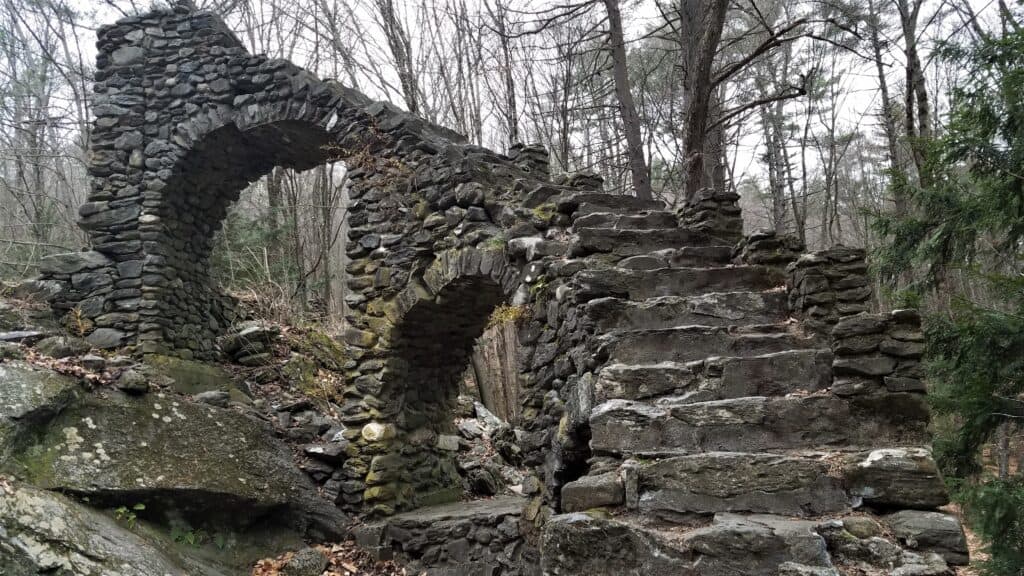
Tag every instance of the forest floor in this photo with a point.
(345, 559)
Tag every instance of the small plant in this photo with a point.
(495, 243)
(540, 287)
(505, 314)
(186, 535)
(545, 212)
(77, 323)
(128, 515)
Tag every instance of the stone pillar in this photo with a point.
(532, 159)
(717, 214)
(766, 247)
(878, 352)
(828, 285)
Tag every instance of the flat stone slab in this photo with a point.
(643, 284)
(900, 476)
(595, 544)
(593, 202)
(625, 243)
(714, 309)
(673, 427)
(719, 378)
(689, 343)
(646, 220)
(495, 507)
(787, 484)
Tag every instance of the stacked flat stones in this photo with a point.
(724, 438)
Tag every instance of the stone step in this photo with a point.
(797, 484)
(689, 343)
(725, 378)
(712, 309)
(624, 243)
(730, 545)
(685, 257)
(642, 221)
(585, 203)
(643, 284)
(819, 421)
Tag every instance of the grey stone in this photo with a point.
(106, 338)
(213, 398)
(29, 398)
(133, 382)
(93, 362)
(931, 532)
(593, 492)
(62, 346)
(74, 262)
(127, 55)
(735, 482)
(904, 477)
(48, 533)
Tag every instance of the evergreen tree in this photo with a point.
(961, 244)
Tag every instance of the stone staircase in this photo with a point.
(719, 443)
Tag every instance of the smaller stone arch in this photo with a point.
(436, 320)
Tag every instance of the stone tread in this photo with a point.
(691, 281)
(698, 342)
(712, 309)
(684, 257)
(625, 243)
(630, 221)
(592, 202)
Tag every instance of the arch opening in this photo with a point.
(430, 353)
(192, 208)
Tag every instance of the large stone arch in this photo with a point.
(434, 323)
(185, 120)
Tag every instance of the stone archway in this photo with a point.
(436, 323)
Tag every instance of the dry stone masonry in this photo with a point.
(693, 402)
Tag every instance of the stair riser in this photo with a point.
(726, 378)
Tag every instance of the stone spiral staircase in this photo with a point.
(727, 438)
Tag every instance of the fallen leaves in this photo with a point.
(344, 559)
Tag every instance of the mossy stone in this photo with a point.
(190, 376)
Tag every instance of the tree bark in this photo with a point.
(627, 108)
(700, 93)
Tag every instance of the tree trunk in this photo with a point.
(699, 80)
(627, 108)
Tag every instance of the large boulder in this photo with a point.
(46, 533)
(29, 398)
(208, 465)
(904, 477)
(930, 532)
(582, 543)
